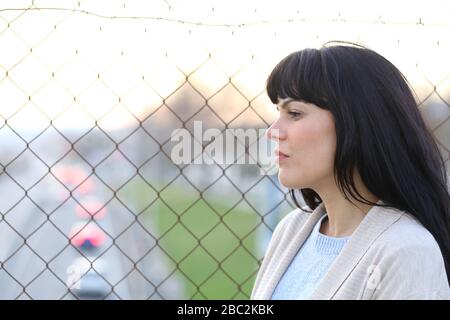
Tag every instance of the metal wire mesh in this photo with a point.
(90, 97)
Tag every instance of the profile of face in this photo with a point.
(306, 144)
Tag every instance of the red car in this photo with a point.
(87, 236)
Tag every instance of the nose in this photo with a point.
(274, 132)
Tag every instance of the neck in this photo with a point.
(343, 216)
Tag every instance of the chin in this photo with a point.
(289, 182)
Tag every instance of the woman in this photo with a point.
(352, 140)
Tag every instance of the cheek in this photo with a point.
(315, 137)
(315, 143)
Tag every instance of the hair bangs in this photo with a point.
(298, 76)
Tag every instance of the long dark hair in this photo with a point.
(379, 131)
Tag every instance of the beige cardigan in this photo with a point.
(389, 256)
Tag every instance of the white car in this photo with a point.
(87, 279)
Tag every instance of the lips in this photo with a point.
(279, 156)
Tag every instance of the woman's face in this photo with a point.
(307, 136)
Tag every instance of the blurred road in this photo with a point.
(40, 269)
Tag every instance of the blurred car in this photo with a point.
(87, 236)
(74, 176)
(88, 281)
(91, 207)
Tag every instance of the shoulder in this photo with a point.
(408, 236)
(409, 260)
(294, 219)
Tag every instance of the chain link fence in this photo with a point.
(92, 205)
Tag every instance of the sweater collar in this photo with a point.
(324, 244)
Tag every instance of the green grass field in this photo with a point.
(213, 250)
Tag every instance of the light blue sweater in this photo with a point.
(309, 265)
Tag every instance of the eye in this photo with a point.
(294, 114)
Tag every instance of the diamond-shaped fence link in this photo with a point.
(93, 205)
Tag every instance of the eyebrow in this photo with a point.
(285, 103)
